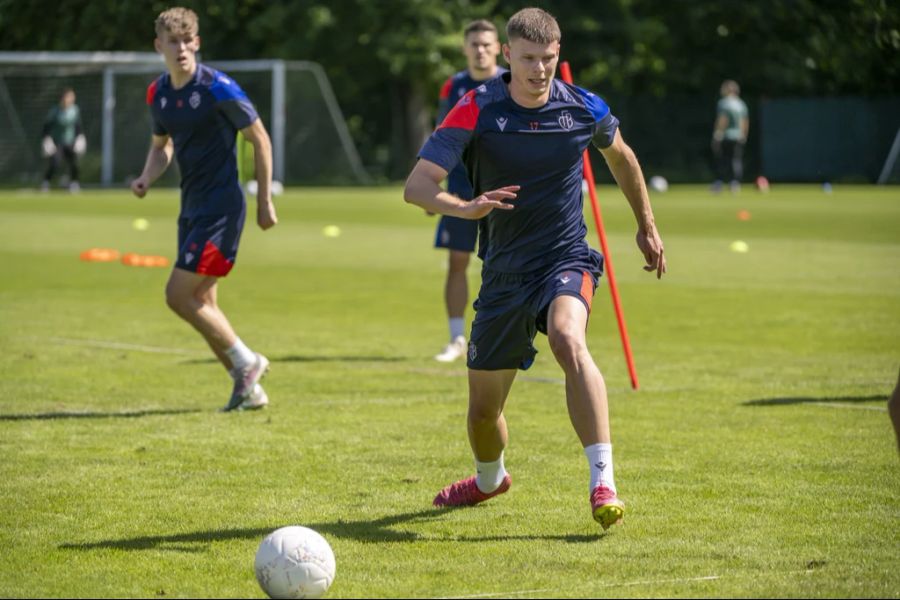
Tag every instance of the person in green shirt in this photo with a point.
(63, 139)
(729, 137)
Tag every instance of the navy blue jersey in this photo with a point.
(453, 89)
(540, 149)
(203, 119)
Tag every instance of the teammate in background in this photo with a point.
(522, 136)
(197, 112)
(481, 48)
(729, 137)
(62, 138)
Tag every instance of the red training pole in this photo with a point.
(566, 74)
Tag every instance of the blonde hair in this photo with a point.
(533, 25)
(177, 21)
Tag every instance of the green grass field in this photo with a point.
(756, 460)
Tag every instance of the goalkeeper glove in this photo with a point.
(48, 147)
(80, 145)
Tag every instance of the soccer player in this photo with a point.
(729, 136)
(522, 136)
(197, 112)
(481, 47)
(62, 138)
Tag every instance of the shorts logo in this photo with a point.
(163, 101)
(473, 351)
(565, 279)
(188, 257)
(194, 100)
(501, 123)
(565, 120)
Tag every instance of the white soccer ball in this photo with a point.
(659, 184)
(294, 562)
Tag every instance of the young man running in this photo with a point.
(197, 112)
(523, 135)
(481, 48)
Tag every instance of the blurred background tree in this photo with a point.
(386, 59)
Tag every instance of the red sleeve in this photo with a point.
(445, 89)
(464, 115)
(151, 92)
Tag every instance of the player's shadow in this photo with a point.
(125, 414)
(807, 400)
(366, 531)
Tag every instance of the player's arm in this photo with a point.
(627, 172)
(257, 135)
(423, 188)
(158, 158)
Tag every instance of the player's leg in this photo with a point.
(72, 158)
(458, 236)
(737, 166)
(207, 294)
(488, 437)
(52, 163)
(193, 297)
(456, 296)
(586, 400)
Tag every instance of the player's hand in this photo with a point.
(48, 148)
(80, 145)
(140, 186)
(651, 247)
(428, 213)
(265, 215)
(488, 201)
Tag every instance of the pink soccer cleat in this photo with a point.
(466, 493)
(606, 507)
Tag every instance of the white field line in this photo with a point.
(111, 345)
(624, 584)
(838, 405)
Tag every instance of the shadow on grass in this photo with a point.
(301, 358)
(373, 531)
(127, 414)
(788, 401)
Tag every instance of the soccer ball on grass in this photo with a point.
(294, 562)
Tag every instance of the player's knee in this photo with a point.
(483, 414)
(567, 347)
(177, 301)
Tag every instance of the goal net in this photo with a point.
(310, 139)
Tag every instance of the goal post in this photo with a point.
(890, 172)
(310, 139)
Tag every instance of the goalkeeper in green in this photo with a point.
(62, 138)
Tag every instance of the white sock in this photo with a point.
(240, 355)
(457, 327)
(600, 460)
(490, 474)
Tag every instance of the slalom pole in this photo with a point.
(566, 74)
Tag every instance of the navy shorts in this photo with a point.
(511, 308)
(456, 234)
(208, 244)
